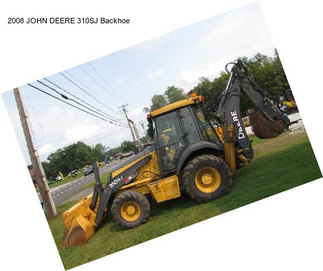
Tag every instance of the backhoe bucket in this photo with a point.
(264, 127)
(79, 223)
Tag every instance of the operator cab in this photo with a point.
(177, 126)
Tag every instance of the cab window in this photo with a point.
(208, 133)
(168, 129)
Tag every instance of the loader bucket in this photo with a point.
(79, 223)
(264, 127)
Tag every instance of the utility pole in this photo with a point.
(132, 127)
(143, 127)
(37, 167)
(136, 134)
(125, 112)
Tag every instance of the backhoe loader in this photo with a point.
(190, 154)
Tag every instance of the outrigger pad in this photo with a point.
(263, 127)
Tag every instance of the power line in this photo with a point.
(69, 104)
(65, 97)
(113, 91)
(91, 76)
(64, 101)
(90, 140)
(97, 111)
(78, 86)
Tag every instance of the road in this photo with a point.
(66, 191)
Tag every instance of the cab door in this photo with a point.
(170, 140)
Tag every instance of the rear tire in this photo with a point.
(206, 177)
(130, 209)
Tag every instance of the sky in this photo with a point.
(132, 76)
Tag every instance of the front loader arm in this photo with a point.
(113, 186)
(84, 218)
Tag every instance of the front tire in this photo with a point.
(130, 209)
(206, 177)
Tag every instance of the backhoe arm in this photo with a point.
(267, 121)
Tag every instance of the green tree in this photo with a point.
(174, 94)
(211, 91)
(157, 101)
(269, 74)
(48, 170)
(99, 152)
(72, 157)
(127, 146)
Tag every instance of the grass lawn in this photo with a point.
(275, 168)
(256, 140)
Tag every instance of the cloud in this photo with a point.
(154, 74)
(242, 32)
(119, 81)
(191, 77)
(150, 44)
(46, 149)
(81, 132)
(55, 109)
(122, 135)
(224, 29)
(57, 126)
(150, 76)
(137, 111)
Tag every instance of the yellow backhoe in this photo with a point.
(189, 152)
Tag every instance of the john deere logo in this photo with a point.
(235, 119)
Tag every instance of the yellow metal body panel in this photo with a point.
(161, 189)
(173, 106)
(150, 169)
(140, 186)
(148, 180)
(165, 189)
(230, 155)
(137, 183)
(226, 135)
(143, 189)
(79, 215)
